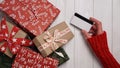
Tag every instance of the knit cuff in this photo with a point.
(99, 42)
(100, 47)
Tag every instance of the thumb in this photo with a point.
(85, 34)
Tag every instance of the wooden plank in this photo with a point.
(83, 54)
(116, 29)
(103, 12)
(64, 5)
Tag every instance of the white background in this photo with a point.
(107, 11)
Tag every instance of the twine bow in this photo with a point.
(53, 40)
(14, 44)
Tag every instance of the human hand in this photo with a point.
(96, 29)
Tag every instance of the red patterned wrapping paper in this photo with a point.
(27, 58)
(34, 15)
(12, 38)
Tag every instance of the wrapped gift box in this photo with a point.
(35, 16)
(11, 38)
(53, 38)
(27, 58)
(60, 55)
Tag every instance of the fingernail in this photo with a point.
(90, 17)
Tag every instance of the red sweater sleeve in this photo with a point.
(100, 47)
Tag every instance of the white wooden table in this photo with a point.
(108, 11)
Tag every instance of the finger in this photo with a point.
(98, 25)
(91, 32)
(86, 34)
(94, 20)
(93, 28)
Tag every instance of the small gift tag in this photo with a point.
(81, 22)
(59, 53)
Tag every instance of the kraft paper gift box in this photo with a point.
(35, 17)
(11, 38)
(53, 38)
(60, 55)
(27, 58)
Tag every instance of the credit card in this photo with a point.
(81, 22)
